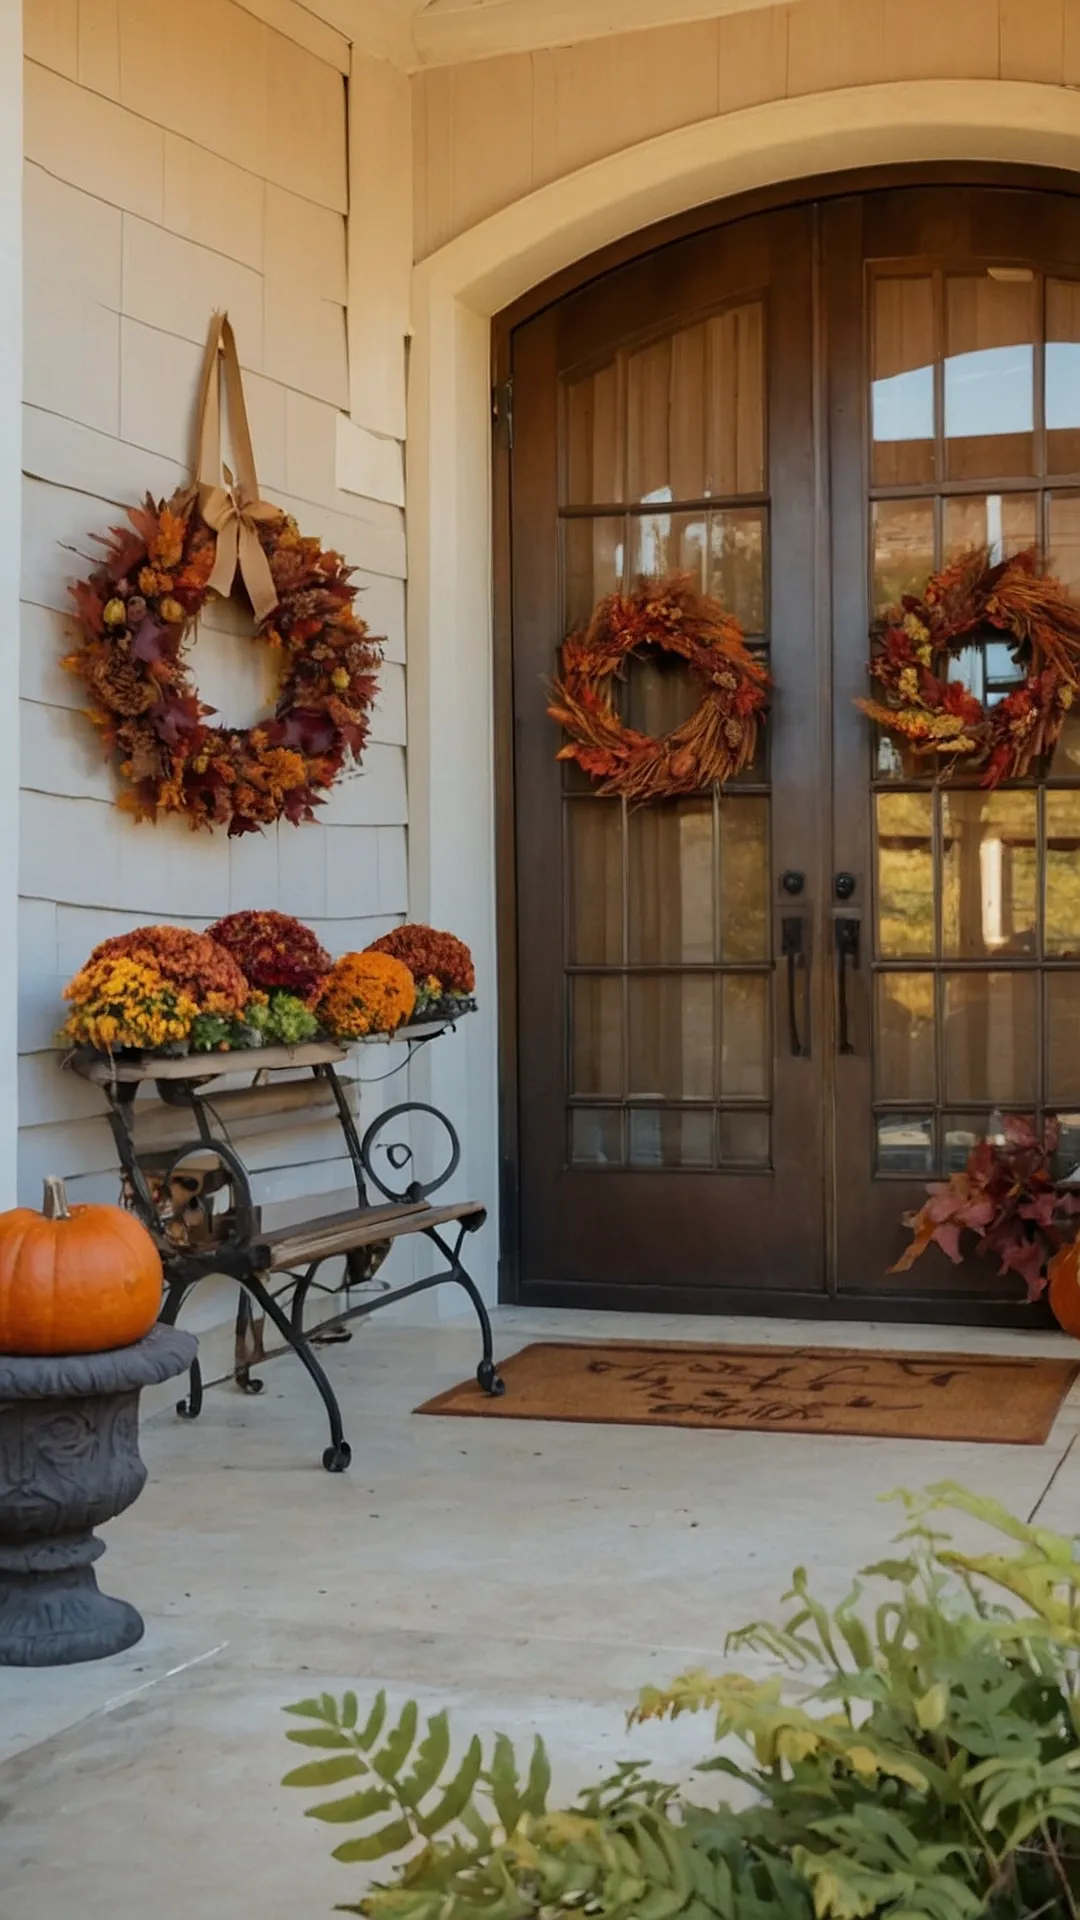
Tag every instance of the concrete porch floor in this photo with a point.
(530, 1576)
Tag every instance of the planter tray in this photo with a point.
(203, 1066)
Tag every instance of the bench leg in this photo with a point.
(190, 1408)
(338, 1454)
(487, 1374)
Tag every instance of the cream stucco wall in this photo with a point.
(180, 159)
(490, 132)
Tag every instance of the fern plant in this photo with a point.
(929, 1771)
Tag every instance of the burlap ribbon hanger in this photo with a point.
(234, 509)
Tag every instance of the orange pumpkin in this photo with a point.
(1064, 1273)
(78, 1279)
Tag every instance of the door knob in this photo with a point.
(793, 881)
(844, 885)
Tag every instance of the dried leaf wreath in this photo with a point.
(939, 717)
(137, 613)
(719, 738)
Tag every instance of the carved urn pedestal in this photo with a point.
(69, 1460)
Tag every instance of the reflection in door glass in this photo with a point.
(1005, 523)
(906, 1056)
(1063, 1038)
(903, 549)
(1063, 874)
(671, 1137)
(744, 1139)
(905, 1143)
(596, 1136)
(1063, 376)
(989, 873)
(737, 564)
(672, 883)
(902, 389)
(990, 330)
(990, 1037)
(905, 874)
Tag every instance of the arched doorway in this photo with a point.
(811, 407)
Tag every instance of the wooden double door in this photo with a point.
(751, 1025)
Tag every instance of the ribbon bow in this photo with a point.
(233, 511)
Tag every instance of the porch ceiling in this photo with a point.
(421, 33)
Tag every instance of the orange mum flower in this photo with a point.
(366, 993)
(192, 962)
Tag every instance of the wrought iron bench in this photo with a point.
(185, 1179)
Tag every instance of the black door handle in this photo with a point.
(847, 948)
(793, 946)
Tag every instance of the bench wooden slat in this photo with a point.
(362, 1227)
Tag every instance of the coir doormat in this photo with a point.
(911, 1396)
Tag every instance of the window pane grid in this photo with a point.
(975, 440)
(667, 906)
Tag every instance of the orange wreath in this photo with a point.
(720, 737)
(917, 643)
(137, 612)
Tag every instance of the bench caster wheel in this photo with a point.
(336, 1459)
(489, 1381)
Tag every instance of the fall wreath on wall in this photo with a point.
(718, 739)
(137, 614)
(940, 718)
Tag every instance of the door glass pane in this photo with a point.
(902, 394)
(672, 906)
(593, 553)
(744, 1139)
(672, 1046)
(670, 1137)
(744, 878)
(735, 434)
(1063, 376)
(594, 454)
(596, 1034)
(1066, 1161)
(648, 422)
(903, 534)
(905, 1037)
(744, 1031)
(960, 1132)
(594, 870)
(1063, 874)
(989, 376)
(1004, 522)
(668, 543)
(989, 874)
(991, 1045)
(689, 378)
(905, 1143)
(1062, 1037)
(905, 874)
(596, 1136)
(1063, 538)
(737, 564)
(658, 692)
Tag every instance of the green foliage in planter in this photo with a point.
(929, 1771)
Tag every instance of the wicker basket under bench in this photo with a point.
(179, 1151)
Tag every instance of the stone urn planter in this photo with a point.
(69, 1460)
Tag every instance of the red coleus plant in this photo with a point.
(1007, 1199)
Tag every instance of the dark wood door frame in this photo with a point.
(929, 1306)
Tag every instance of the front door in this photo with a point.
(751, 1025)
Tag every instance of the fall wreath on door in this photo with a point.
(930, 709)
(138, 611)
(718, 739)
